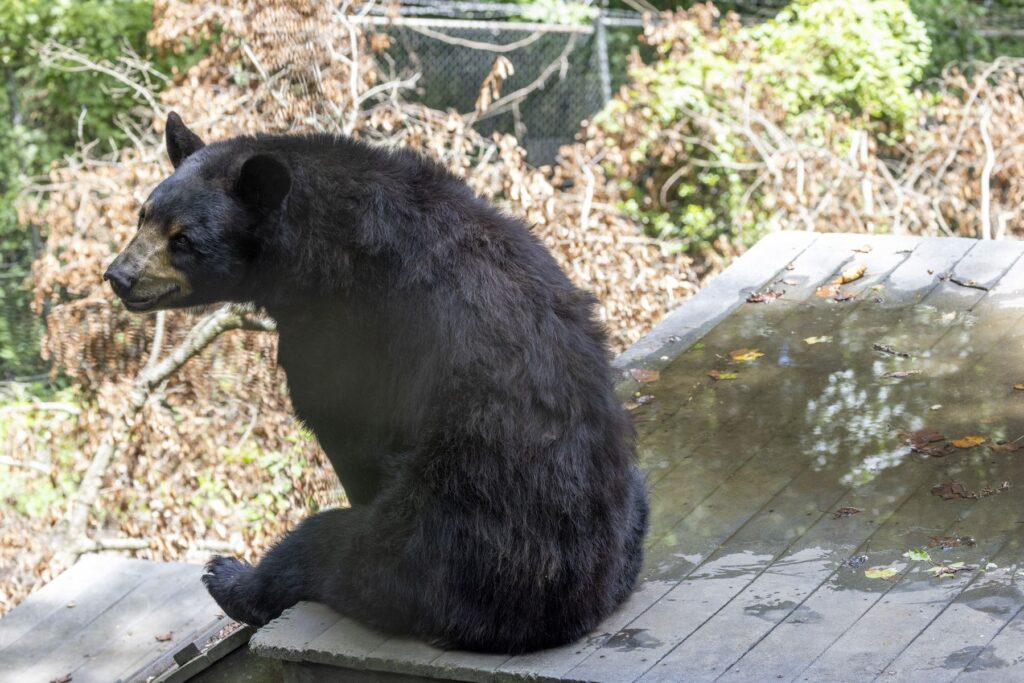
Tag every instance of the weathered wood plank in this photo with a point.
(983, 266)
(287, 636)
(88, 584)
(717, 299)
(69, 644)
(968, 625)
(1002, 660)
(181, 604)
(918, 275)
(882, 633)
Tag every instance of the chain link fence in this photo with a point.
(563, 73)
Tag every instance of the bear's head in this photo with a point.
(198, 232)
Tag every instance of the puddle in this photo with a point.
(746, 466)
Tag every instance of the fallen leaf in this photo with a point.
(645, 375)
(855, 562)
(824, 339)
(851, 274)
(721, 374)
(957, 490)
(845, 512)
(827, 291)
(765, 297)
(745, 355)
(790, 266)
(900, 374)
(952, 570)
(790, 282)
(863, 249)
(66, 678)
(845, 296)
(918, 555)
(929, 442)
(1019, 387)
(886, 348)
(969, 441)
(881, 572)
(163, 637)
(948, 542)
(949, 490)
(71, 604)
(1005, 446)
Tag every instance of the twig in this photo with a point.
(37, 465)
(986, 175)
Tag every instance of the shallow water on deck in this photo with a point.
(808, 428)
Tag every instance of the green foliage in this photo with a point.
(857, 57)
(686, 161)
(44, 110)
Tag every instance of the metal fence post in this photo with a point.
(602, 57)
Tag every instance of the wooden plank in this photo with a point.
(882, 633)
(967, 626)
(918, 275)
(91, 581)
(69, 644)
(1002, 660)
(983, 266)
(287, 636)
(717, 299)
(181, 604)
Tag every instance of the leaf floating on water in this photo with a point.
(765, 297)
(952, 570)
(900, 374)
(745, 355)
(949, 542)
(881, 572)
(918, 555)
(929, 442)
(969, 441)
(1005, 446)
(845, 512)
(824, 339)
(888, 349)
(957, 490)
(645, 375)
(851, 274)
(722, 374)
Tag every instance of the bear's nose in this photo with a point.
(120, 280)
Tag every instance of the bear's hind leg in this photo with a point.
(291, 571)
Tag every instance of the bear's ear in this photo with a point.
(181, 142)
(263, 182)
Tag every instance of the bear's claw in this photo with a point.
(228, 580)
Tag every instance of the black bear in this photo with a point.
(456, 379)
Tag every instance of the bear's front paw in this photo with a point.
(229, 582)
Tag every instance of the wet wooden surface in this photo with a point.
(750, 574)
(102, 620)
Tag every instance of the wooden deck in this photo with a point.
(753, 571)
(107, 619)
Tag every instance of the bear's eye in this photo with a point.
(181, 241)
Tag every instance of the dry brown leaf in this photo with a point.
(969, 441)
(851, 274)
(645, 375)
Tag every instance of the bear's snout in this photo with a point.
(119, 278)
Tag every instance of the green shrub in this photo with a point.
(675, 134)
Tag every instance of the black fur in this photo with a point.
(454, 376)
